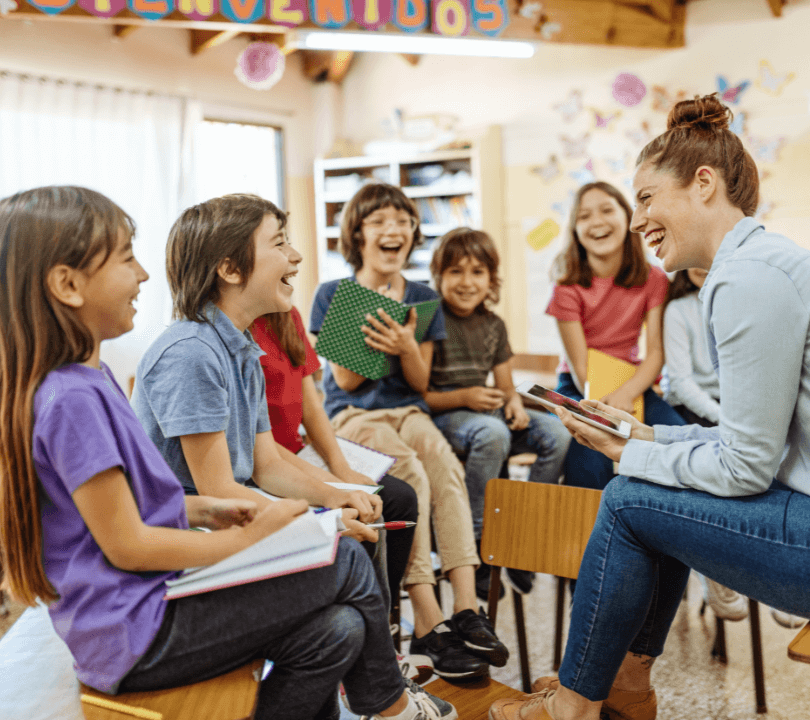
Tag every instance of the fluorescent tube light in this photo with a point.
(404, 43)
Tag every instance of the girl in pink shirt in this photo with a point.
(606, 290)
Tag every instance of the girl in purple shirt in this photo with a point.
(93, 521)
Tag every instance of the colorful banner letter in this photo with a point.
(490, 17)
(451, 18)
(410, 15)
(289, 13)
(52, 7)
(151, 9)
(103, 8)
(198, 9)
(242, 11)
(372, 14)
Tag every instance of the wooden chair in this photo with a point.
(799, 648)
(472, 700)
(539, 528)
(232, 696)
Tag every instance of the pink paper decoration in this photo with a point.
(260, 65)
(628, 89)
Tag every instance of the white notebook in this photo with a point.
(309, 541)
(362, 459)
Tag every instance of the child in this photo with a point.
(486, 425)
(93, 521)
(292, 398)
(379, 230)
(606, 290)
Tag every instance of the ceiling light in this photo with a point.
(405, 43)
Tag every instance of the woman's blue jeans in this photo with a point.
(588, 468)
(637, 562)
(486, 442)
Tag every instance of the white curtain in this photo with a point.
(124, 144)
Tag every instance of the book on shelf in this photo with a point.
(341, 340)
(371, 463)
(307, 542)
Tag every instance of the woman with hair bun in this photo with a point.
(732, 501)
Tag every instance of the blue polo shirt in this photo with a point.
(201, 377)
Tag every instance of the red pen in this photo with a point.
(396, 525)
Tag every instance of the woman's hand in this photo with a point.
(620, 400)
(220, 513)
(275, 516)
(356, 529)
(516, 416)
(484, 398)
(389, 336)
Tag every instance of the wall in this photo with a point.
(724, 37)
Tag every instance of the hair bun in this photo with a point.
(705, 113)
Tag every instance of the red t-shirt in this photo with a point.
(285, 397)
(611, 315)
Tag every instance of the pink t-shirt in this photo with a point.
(611, 315)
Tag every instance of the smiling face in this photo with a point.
(668, 219)
(108, 291)
(465, 285)
(387, 240)
(275, 264)
(601, 225)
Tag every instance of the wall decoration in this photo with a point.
(549, 30)
(640, 135)
(372, 15)
(575, 147)
(549, 171)
(571, 106)
(628, 89)
(260, 65)
(770, 81)
(530, 10)
(450, 17)
(617, 165)
(731, 93)
(541, 236)
(766, 149)
(764, 210)
(563, 207)
(602, 121)
(737, 125)
(584, 174)
(7, 6)
(663, 100)
(490, 17)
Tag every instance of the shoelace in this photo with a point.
(426, 709)
(535, 700)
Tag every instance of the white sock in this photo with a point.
(409, 713)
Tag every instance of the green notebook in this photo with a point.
(341, 340)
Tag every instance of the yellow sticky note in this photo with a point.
(543, 234)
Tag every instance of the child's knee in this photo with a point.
(495, 439)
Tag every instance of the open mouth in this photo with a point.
(391, 248)
(655, 238)
(286, 278)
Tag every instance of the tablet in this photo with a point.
(551, 400)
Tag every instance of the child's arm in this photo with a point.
(108, 508)
(322, 436)
(516, 416)
(649, 369)
(477, 398)
(576, 350)
(218, 513)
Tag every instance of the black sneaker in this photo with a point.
(482, 575)
(448, 654)
(520, 580)
(479, 636)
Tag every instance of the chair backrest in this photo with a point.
(537, 527)
(799, 648)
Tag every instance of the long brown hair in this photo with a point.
(698, 134)
(283, 325)
(680, 286)
(369, 199)
(571, 266)
(39, 229)
(464, 242)
(202, 238)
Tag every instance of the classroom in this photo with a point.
(161, 106)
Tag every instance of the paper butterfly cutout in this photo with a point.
(549, 30)
(731, 93)
(584, 174)
(766, 150)
(571, 107)
(641, 135)
(603, 121)
(7, 6)
(770, 81)
(661, 99)
(617, 165)
(531, 10)
(549, 171)
(575, 147)
(764, 209)
(563, 207)
(737, 125)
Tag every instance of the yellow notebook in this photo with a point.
(605, 374)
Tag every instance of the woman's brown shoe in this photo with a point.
(531, 707)
(620, 704)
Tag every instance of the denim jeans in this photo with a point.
(319, 627)
(588, 468)
(637, 561)
(487, 442)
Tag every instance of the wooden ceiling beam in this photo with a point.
(202, 40)
(776, 7)
(122, 31)
(331, 65)
(411, 58)
(662, 9)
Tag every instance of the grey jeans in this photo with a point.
(319, 627)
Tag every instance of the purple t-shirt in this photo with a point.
(84, 425)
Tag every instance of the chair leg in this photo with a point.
(756, 650)
(523, 646)
(494, 593)
(395, 619)
(719, 649)
(558, 623)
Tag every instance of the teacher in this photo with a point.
(732, 502)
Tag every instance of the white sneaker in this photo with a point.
(726, 604)
(424, 706)
(787, 620)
